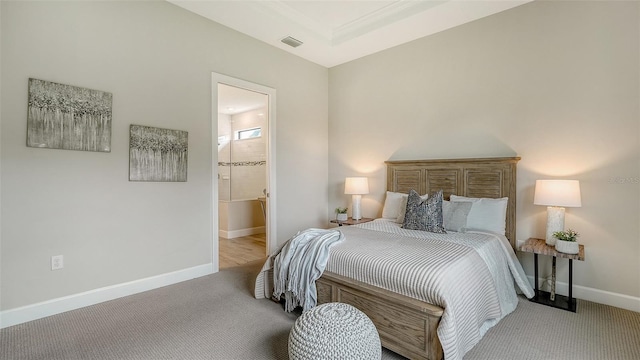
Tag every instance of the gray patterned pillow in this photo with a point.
(425, 215)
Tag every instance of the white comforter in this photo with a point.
(470, 275)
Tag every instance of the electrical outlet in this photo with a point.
(57, 262)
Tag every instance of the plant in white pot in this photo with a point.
(341, 214)
(567, 241)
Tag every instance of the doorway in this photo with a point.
(243, 173)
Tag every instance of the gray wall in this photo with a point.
(157, 61)
(553, 82)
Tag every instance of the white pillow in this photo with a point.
(486, 214)
(392, 204)
(455, 214)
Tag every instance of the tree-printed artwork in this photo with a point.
(68, 117)
(157, 154)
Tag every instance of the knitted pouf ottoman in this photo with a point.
(334, 331)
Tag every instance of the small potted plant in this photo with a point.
(567, 241)
(341, 213)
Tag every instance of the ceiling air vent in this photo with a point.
(291, 41)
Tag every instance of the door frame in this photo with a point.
(270, 222)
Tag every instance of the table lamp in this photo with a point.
(356, 187)
(556, 194)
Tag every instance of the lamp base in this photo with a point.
(355, 209)
(555, 222)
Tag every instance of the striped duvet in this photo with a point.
(470, 275)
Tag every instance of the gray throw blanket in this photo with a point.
(299, 263)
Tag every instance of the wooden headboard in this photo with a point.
(488, 178)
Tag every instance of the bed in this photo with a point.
(409, 326)
(412, 319)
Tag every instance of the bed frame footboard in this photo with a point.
(406, 326)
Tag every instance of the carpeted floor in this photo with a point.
(216, 317)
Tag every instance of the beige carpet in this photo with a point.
(216, 317)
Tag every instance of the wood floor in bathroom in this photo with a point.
(241, 250)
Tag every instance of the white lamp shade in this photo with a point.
(564, 193)
(356, 186)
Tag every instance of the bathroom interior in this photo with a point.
(242, 175)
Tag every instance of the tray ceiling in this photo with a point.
(335, 32)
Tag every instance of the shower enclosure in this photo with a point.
(242, 165)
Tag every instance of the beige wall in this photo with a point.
(240, 218)
(157, 60)
(553, 82)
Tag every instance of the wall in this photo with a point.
(240, 218)
(157, 61)
(553, 82)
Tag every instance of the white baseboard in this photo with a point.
(598, 296)
(56, 306)
(242, 232)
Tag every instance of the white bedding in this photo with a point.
(470, 275)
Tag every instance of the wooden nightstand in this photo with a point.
(539, 246)
(350, 221)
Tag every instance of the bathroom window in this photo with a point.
(249, 133)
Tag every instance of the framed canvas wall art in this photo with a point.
(68, 117)
(157, 154)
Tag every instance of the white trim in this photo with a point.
(595, 295)
(213, 182)
(242, 232)
(76, 301)
(272, 239)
